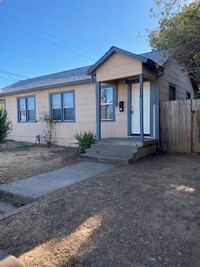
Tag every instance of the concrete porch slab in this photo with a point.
(39, 185)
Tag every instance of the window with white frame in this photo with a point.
(26, 109)
(56, 107)
(107, 103)
(62, 106)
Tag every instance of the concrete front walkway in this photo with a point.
(39, 185)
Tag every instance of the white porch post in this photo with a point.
(141, 79)
(98, 111)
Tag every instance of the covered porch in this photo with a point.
(127, 108)
(127, 96)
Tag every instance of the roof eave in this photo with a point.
(153, 65)
(46, 87)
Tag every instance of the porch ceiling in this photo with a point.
(125, 80)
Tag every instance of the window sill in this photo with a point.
(111, 120)
(64, 121)
(27, 121)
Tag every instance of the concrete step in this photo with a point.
(120, 150)
(124, 154)
(108, 152)
(108, 158)
(15, 199)
(120, 141)
(113, 150)
(10, 202)
(6, 206)
(113, 147)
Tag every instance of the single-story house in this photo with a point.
(118, 96)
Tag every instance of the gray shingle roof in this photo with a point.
(157, 56)
(63, 78)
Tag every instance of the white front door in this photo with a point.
(135, 108)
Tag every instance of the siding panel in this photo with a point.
(84, 109)
(118, 66)
(174, 75)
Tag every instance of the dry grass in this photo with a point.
(20, 160)
(144, 214)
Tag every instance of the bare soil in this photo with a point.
(144, 214)
(19, 160)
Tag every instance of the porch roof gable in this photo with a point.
(149, 62)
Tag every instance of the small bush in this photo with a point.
(84, 141)
(5, 125)
(49, 132)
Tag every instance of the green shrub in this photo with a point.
(5, 125)
(22, 145)
(197, 95)
(84, 141)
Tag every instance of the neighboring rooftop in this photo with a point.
(79, 75)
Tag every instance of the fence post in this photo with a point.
(192, 124)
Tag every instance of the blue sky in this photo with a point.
(45, 36)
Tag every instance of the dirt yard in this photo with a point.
(20, 160)
(144, 214)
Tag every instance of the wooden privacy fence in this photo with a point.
(180, 126)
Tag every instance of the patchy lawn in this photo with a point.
(144, 214)
(20, 160)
